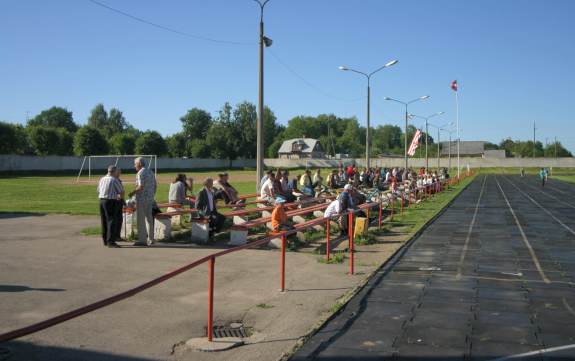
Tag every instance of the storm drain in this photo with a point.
(234, 329)
(4, 353)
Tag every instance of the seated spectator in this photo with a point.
(264, 179)
(332, 180)
(280, 220)
(280, 190)
(317, 179)
(346, 203)
(306, 183)
(267, 189)
(177, 193)
(333, 209)
(225, 191)
(206, 205)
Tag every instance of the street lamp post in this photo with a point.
(406, 104)
(264, 42)
(367, 133)
(439, 129)
(426, 133)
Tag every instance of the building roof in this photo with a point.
(307, 145)
(466, 147)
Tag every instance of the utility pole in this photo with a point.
(260, 121)
(555, 147)
(534, 139)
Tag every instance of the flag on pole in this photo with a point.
(414, 143)
(454, 85)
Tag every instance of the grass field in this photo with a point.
(61, 194)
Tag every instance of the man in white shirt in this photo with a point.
(111, 193)
(267, 189)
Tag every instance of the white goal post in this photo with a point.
(152, 161)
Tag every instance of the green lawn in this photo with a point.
(566, 178)
(415, 217)
(61, 194)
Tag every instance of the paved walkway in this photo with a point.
(492, 277)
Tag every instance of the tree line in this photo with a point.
(229, 134)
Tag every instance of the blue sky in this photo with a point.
(513, 60)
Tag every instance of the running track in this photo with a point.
(492, 278)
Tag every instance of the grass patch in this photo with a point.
(92, 231)
(364, 240)
(416, 216)
(264, 306)
(335, 258)
(565, 178)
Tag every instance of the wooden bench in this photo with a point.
(239, 233)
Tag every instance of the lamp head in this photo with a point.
(393, 62)
(386, 98)
(268, 42)
(424, 97)
(343, 68)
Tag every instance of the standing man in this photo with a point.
(145, 192)
(111, 193)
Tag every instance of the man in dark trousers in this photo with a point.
(111, 193)
(206, 205)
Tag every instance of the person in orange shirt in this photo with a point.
(280, 221)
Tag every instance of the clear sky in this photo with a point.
(513, 59)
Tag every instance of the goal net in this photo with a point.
(98, 164)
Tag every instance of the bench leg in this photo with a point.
(238, 237)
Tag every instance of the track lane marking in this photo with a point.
(542, 208)
(549, 195)
(470, 229)
(525, 240)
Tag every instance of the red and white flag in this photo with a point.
(414, 143)
(454, 85)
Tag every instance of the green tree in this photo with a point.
(116, 122)
(99, 118)
(491, 146)
(90, 141)
(198, 148)
(151, 142)
(65, 142)
(223, 141)
(123, 143)
(196, 123)
(556, 149)
(45, 140)
(176, 144)
(55, 117)
(13, 139)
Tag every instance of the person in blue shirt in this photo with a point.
(543, 176)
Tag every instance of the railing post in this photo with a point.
(408, 198)
(379, 215)
(401, 203)
(327, 239)
(350, 237)
(392, 206)
(211, 266)
(283, 270)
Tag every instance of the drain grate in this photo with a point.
(4, 353)
(234, 329)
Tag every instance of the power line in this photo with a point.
(308, 83)
(165, 28)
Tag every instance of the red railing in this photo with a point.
(211, 260)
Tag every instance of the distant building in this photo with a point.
(300, 148)
(471, 149)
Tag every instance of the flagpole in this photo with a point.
(458, 136)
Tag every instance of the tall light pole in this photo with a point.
(534, 139)
(367, 133)
(426, 133)
(450, 131)
(406, 104)
(264, 41)
(439, 129)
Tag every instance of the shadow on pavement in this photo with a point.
(18, 288)
(19, 350)
(7, 215)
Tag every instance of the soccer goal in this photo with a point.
(101, 162)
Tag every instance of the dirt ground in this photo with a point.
(49, 268)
